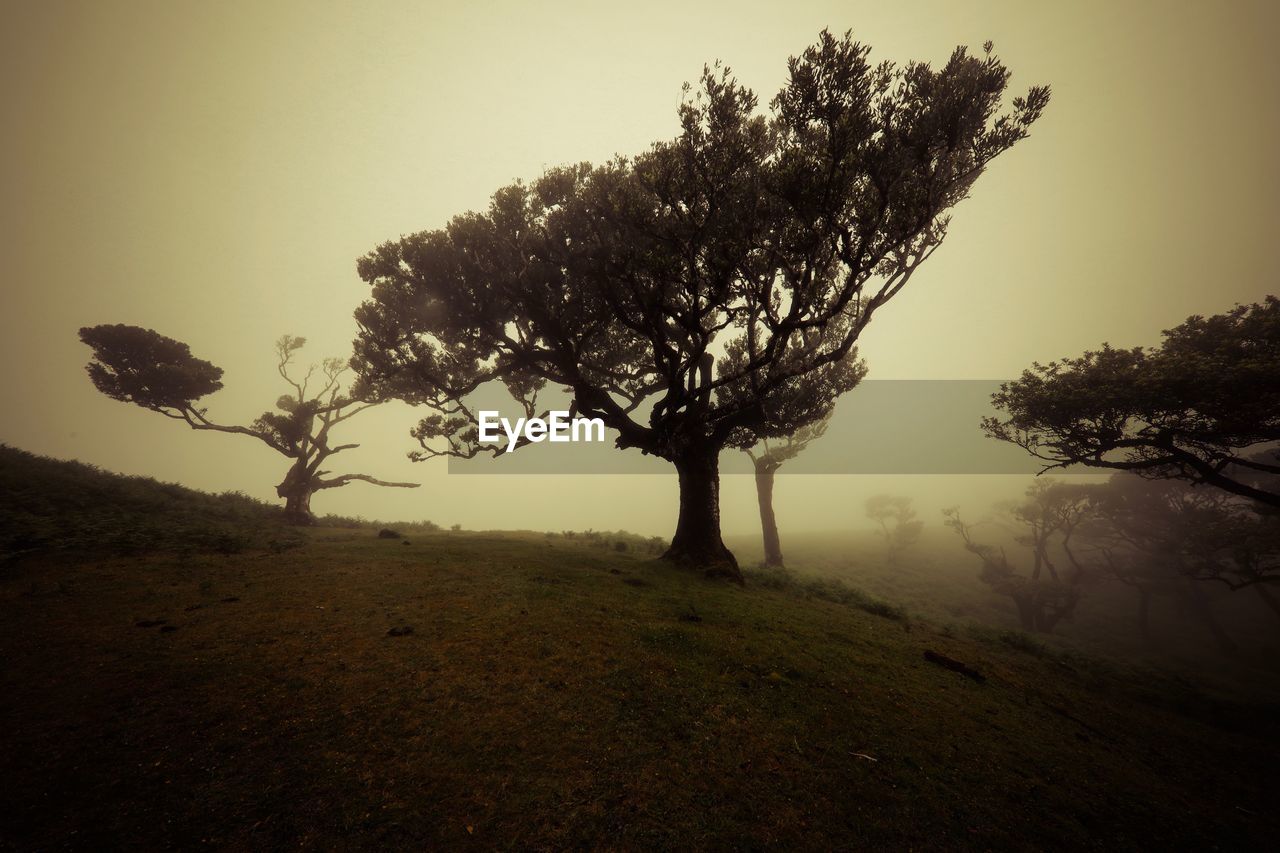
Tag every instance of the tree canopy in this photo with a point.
(1154, 528)
(709, 292)
(141, 366)
(906, 527)
(1045, 522)
(1203, 407)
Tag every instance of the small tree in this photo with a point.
(143, 367)
(1168, 538)
(898, 523)
(709, 292)
(1204, 407)
(767, 458)
(1049, 515)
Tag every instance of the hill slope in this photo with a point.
(549, 696)
(56, 505)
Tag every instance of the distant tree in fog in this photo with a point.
(897, 519)
(709, 292)
(1166, 538)
(767, 457)
(143, 367)
(1160, 538)
(1046, 522)
(1203, 407)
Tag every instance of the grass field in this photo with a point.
(550, 696)
(938, 581)
(335, 690)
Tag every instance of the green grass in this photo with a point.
(937, 581)
(554, 696)
(54, 505)
(58, 506)
(827, 589)
(328, 689)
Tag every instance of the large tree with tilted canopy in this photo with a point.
(709, 292)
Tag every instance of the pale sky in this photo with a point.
(214, 170)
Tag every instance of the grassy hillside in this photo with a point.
(54, 505)
(483, 691)
(938, 581)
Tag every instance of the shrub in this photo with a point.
(826, 589)
(48, 504)
(1018, 640)
(771, 577)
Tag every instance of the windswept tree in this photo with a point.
(1204, 407)
(709, 292)
(1168, 538)
(899, 525)
(767, 457)
(1045, 522)
(143, 367)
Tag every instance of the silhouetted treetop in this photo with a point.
(1152, 528)
(140, 366)
(148, 369)
(1202, 407)
(709, 291)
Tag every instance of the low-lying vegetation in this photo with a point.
(486, 690)
(939, 583)
(826, 589)
(482, 690)
(53, 505)
(622, 541)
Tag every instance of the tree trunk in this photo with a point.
(1266, 596)
(1144, 613)
(1049, 618)
(697, 541)
(1200, 606)
(888, 540)
(297, 508)
(768, 522)
(297, 489)
(1026, 612)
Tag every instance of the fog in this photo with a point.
(942, 622)
(214, 170)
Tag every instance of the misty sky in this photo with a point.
(213, 171)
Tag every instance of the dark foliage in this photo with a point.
(148, 369)
(1203, 407)
(1045, 521)
(707, 293)
(51, 505)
